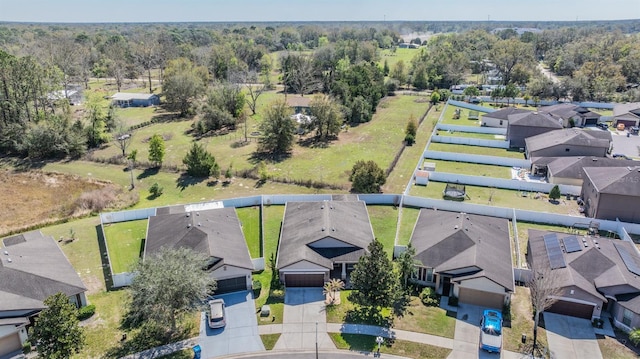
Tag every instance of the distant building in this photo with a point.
(73, 96)
(612, 193)
(569, 142)
(127, 99)
(299, 104)
(528, 124)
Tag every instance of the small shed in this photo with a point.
(421, 177)
(127, 99)
(429, 166)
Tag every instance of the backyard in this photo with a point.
(472, 169)
(476, 150)
(125, 241)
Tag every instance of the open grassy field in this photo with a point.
(464, 120)
(125, 241)
(475, 150)
(406, 55)
(33, 197)
(403, 172)
(473, 169)
(250, 221)
(383, 221)
(406, 349)
(500, 198)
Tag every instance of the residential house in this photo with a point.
(127, 99)
(523, 125)
(299, 104)
(322, 240)
(627, 114)
(598, 277)
(32, 268)
(612, 193)
(569, 170)
(569, 142)
(464, 255)
(74, 96)
(571, 115)
(500, 118)
(215, 232)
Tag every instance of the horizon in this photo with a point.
(252, 11)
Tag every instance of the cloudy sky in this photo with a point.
(312, 10)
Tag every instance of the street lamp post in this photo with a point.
(316, 340)
(379, 340)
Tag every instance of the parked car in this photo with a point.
(491, 331)
(217, 314)
(621, 156)
(603, 125)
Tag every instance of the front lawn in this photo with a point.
(417, 318)
(521, 323)
(367, 343)
(125, 241)
(611, 348)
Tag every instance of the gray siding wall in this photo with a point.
(625, 208)
(517, 134)
(573, 150)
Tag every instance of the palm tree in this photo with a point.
(634, 336)
(331, 287)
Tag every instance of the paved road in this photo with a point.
(322, 354)
(571, 338)
(548, 74)
(241, 332)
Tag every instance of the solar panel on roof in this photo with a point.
(556, 258)
(571, 244)
(629, 259)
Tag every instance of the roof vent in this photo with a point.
(6, 253)
(197, 213)
(199, 224)
(594, 159)
(9, 260)
(323, 229)
(188, 214)
(456, 227)
(322, 207)
(333, 229)
(188, 225)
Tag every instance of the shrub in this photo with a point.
(429, 297)
(26, 348)
(410, 139)
(86, 312)
(96, 200)
(156, 190)
(453, 301)
(277, 293)
(257, 285)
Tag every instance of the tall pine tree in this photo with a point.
(373, 280)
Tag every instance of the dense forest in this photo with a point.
(212, 70)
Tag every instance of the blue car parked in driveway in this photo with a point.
(491, 331)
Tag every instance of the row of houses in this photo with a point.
(462, 255)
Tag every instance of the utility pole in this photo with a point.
(316, 340)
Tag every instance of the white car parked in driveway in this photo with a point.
(217, 317)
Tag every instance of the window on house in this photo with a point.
(626, 317)
(424, 274)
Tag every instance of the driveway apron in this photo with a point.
(240, 335)
(303, 308)
(570, 337)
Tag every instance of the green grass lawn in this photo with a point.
(384, 220)
(521, 323)
(403, 172)
(481, 136)
(464, 117)
(500, 198)
(125, 241)
(250, 220)
(472, 169)
(269, 340)
(407, 222)
(406, 55)
(367, 343)
(475, 150)
(422, 319)
(182, 354)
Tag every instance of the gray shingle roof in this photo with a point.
(594, 270)
(534, 119)
(615, 180)
(572, 167)
(503, 114)
(447, 241)
(38, 269)
(625, 108)
(307, 222)
(214, 232)
(567, 136)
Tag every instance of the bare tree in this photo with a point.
(145, 51)
(545, 291)
(254, 90)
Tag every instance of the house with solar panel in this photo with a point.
(598, 276)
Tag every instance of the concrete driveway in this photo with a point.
(570, 337)
(625, 145)
(241, 332)
(303, 308)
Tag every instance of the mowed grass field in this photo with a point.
(472, 169)
(125, 241)
(475, 150)
(250, 221)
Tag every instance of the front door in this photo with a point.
(446, 286)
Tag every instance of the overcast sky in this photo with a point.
(313, 10)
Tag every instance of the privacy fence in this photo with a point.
(483, 159)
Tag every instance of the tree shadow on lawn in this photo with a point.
(148, 172)
(185, 181)
(106, 269)
(257, 157)
(145, 336)
(368, 316)
(315, 142)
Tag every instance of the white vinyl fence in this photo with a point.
(470, 141)
(472, 129)
(470, 158)
(501, 183)
(124, 216)
(122, 279)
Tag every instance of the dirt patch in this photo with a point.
(37, 198)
